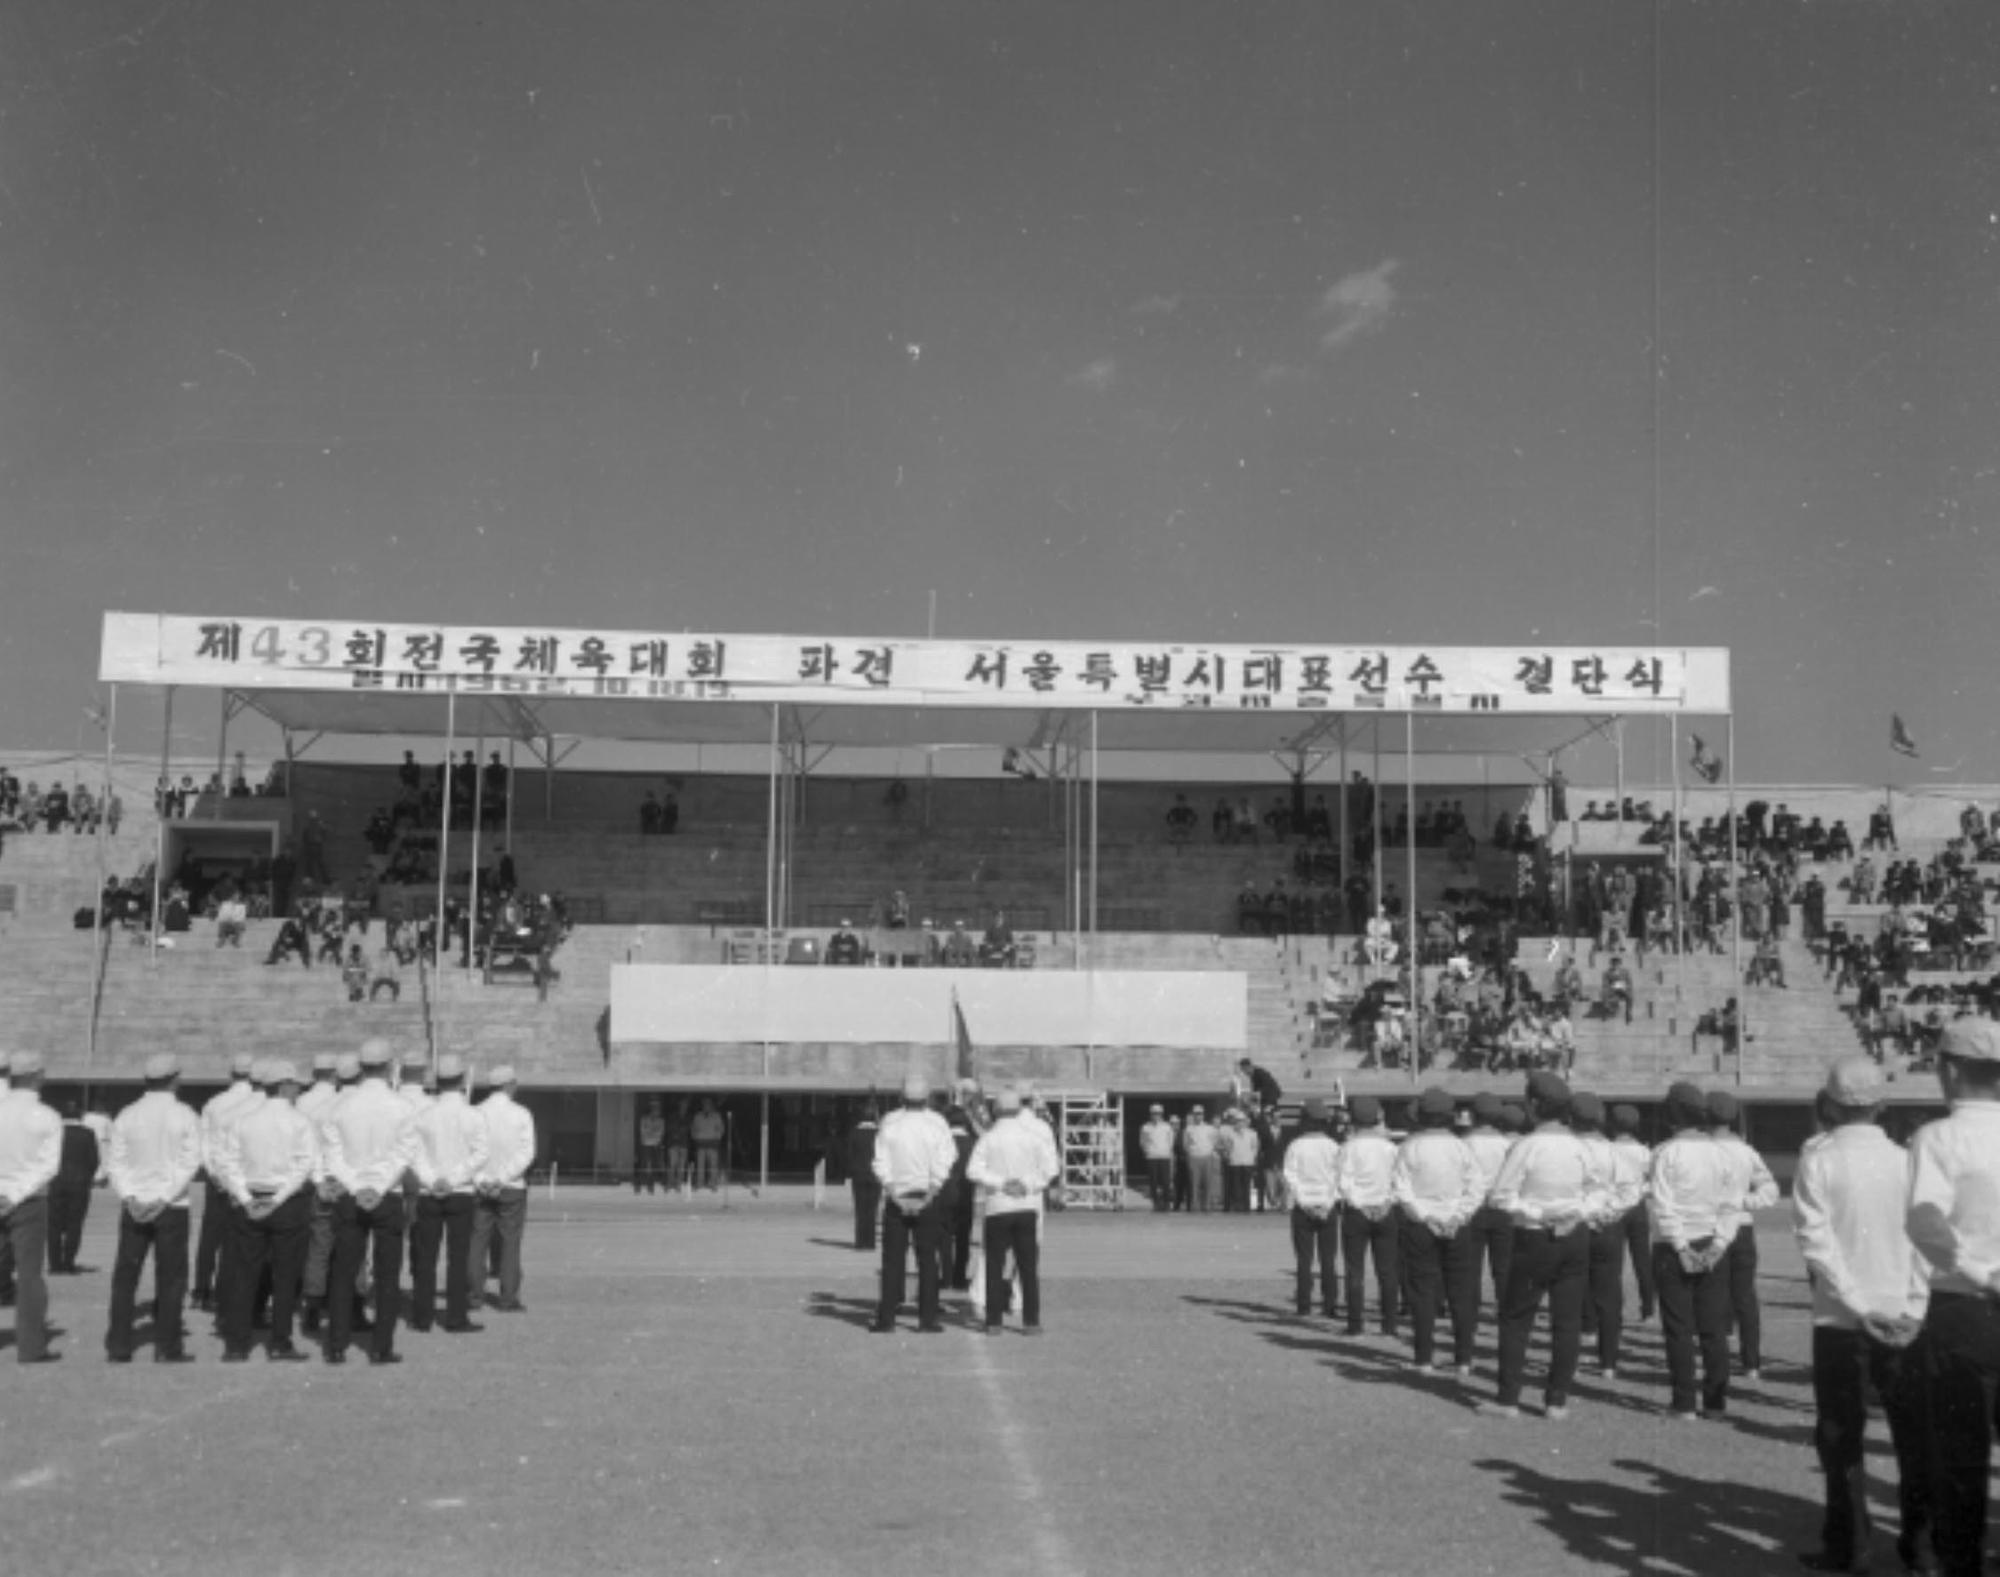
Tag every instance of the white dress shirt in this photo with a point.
(1847, 1211)
(1436, 1180)
(1156, 1141)
(269, 1152)
(1011, 1152)
(1489, 1146)
(1550, 1179)
(316, 1097)
(510, 1141)
(1239, 1145)
(1952, 1206)
(914, 1153)
(221, 1110)
(452, 1140)
(30, 1145)
(100, 1126)
(1200, 1140)
(365, 1142)
(155, 1150)
(1366, 1167)
(1693, 1185)
(1755, 1187)
(1632, 1168)
(1312, 1172)
(1610, 1203)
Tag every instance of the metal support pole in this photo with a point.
(1618, 742)
(1093, 826)
(771, 841)
(1345, 835)
(444, 840)
(221, 761)
(160, 848)
(1375, 828)
(1410, 906)
(1679, 869)
(1736, 914)
(103, 860)
(509, 846)
(478, 805)
(549, 780)
(764, 1142)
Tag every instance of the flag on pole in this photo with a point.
(963, 1037)
(1899, 738)
(1706, 763)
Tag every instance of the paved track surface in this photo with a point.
(693, 1390)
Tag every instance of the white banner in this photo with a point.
(291, 654)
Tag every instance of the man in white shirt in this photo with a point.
(1312, 1178)
(451, 1148)
(914, 1156)
(30, 1156)
(1869, 1293)
(1492, 1231)
(268, 1163)
(1156, 1144)
(651, 1171)
(1690, 1190)
(365, 1148)
(1369, 1223)
(1551, 1186)
(155, 1153)
(211, 1254)
(1438, 1188)
(1950, 1215)
(1634, 1163)
(502, 1187)
(1011, 1165)
(1239, 1160)
(1756, 1189)
(1199, 1143)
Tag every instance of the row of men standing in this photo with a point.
(301, 1188)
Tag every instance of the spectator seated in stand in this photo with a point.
(1378, 943)
(55, 808)
(1319, 821)
(1615, 992)
(958, 950)
(1881, 830)
(997, 949)
(380, 836)
(1180, 820)
(843, 948)
(387, 972)
(1767, 965)
(354, 974)
(83, 812)
(175, 916)
(649, 816)
(292, 937)
(232, 914)
(1250, 911)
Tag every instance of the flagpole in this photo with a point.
(1736, 910)
(1410, 905)
(1679, 871)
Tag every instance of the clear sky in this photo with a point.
(1102, 318)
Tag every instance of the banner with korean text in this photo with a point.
(639, 665)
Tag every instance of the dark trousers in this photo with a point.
(867, 1210)
(1316, 1237)
(498, 1223)
(1013, 1232)
(1436, 1266)
(1556, 1267)
(445, 1223)
(652, 1172)
(211, 1254)
(1693, 1308)
(27, 1231)
(319, 1247)
(900, 1233)
(1160, 1179)
(68, 1208)
(1183, 1183)
(1236, 1188)
(1962, 1387)
(1492, 1244)
(165, 1237)
(960, 1256)
(1604, 1307)
(276, 1243)
(1639, 1248)
(1845, 1363)
(1360, 1237)
(378, 1233)
(1741, 1268)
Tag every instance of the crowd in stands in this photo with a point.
(889, 940)
(56, 808)
(659, 814)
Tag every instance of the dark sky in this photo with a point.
(1278, 322)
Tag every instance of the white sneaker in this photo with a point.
(1496, 1410)
(1607, 1373)
(1556, 1414)
(1755, 1376)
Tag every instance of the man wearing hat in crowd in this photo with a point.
(1200, 1141)
(914, 1157)
(333, 1077)
(451, 1141)
(30, 1156)
(155, 1157)
(1369, 1222)
(1869, 1294)
(861, 1179)
(1489, 1139)
(1312, 1178)
(1012, 1166)
(1550, 1185)
(1952, 1219)
(1692, 1188)
(211, 1255)
(268, 1163)
(502, 1186)
(1756, 1189)
(1239, 1158)
(1632, 1160)
(1438, 1189)
(1156, 1144)
(366, 1150)
(1604, 1278)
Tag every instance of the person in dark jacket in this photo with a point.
(1260, 1083)
(69, 1194)
(861, 1179)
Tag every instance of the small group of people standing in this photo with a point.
(668, 1139)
